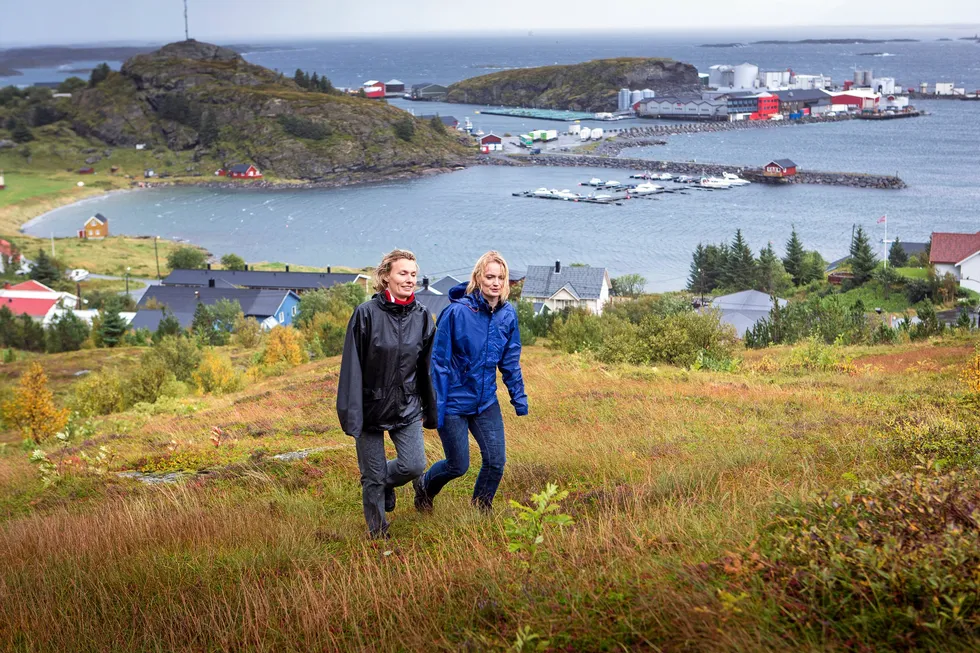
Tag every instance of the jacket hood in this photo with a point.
(474, 300)
(458, 291)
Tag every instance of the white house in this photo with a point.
(556, 288)
(959, 255)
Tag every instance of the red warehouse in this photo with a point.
(491, 143)
(243, 171)
(779, 168)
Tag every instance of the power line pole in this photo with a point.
(156, 254)
(187, 36)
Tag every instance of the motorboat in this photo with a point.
(663, 176)
(684, 179)
(713, 182)
(542, 192)
(566, 194)
(646, 189)
(734, 180)
(479, 132)
(612, 184)
(595, 181)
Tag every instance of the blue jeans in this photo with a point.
(488, 431)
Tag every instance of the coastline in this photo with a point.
(38, 218)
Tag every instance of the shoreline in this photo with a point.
(38, 218)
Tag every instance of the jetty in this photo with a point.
(541, 114)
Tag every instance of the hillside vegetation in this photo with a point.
(784, 505)
(588, 86)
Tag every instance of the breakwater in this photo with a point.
(850, 179)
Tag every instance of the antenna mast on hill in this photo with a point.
(186, 32)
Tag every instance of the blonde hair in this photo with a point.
(481, 267)
(382, 273)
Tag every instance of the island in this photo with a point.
(590, 86)
(834, 41)
(722, 45)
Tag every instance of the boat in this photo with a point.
(467, 125)
(612, 184)
(734, 180)
(566, 194)
(595, 181)
(713, 182)
(542, 192)
(646, 189)
(479, 132)
(684, 179)
(663, 176)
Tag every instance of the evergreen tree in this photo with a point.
(814, 267)
(9, 331)
(169, 326)
(405, 128)
(31, 333)
(863, 259)
(205, 325)
(793, 261)
(437, 125)
(208, 133)
(740, 271)
(113, 326)
(314, 82)
(21, 133)
(99, 74)
(897, 257)
(326, 86)
(769, 271)
(695, 279)
(45, 271)
(66, 333)
(300, 78)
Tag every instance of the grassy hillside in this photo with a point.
(588, 86)
(678, 481)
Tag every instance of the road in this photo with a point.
(135, 293)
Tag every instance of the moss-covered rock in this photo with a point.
(589, 86)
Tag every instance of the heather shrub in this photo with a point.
(284, 345)
(179, 354)
(816, 356)
(941, 437)
(889, 564)
(147, 382)
(100, 393)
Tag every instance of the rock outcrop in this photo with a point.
(590, 86)
(202, 97)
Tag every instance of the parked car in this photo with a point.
(77, 275)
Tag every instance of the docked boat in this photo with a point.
(646, 189)
(734, 180)
(714, 183)
(542, 192)
(612, 184)
(595, 181)
(479, 132)
(684, 179)
(566, 194)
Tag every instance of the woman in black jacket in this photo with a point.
(385, 385)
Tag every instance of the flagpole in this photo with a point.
(885, 244)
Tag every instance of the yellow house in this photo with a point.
(96, 227)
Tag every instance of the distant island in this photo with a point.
(875, 54)
(590, 86)
(834, 41)
(722, 45)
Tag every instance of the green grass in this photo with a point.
(913, 273)
(22, 186)
(873, 296)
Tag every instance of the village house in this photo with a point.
(298, 282)
(373, 89)
(687, 107)
(240, 171)
(959, 255)
(556, 287)
(779, 168)
(394, 88)
(491, 143)
(270, 307)
(744, 309)
(36, 300)
(95, 228)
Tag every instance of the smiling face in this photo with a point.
(401, 280)
(492, 282)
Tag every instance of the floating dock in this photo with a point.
(541, 114)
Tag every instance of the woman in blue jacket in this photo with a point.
(477, 334)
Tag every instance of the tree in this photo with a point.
(863, 259)
(204, 324)
(30, 333)
(437, 126)
(769, 272)
(72, 85)
(299, 78)
(405, 128)
(9, 332)
(225, 311)
(793, 261)
(628, 285)
(32, 409)
(99, 74)
(233, 262)
(67, 332)
(314, 82)
(112, 327)
(21, 133)
(814, 267)
(740, 271)
(897, 257)
(209, 132)
(326, 86)
(186, 258)
(45, 270)
(887, 277)
(169, 326)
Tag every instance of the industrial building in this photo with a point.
(689, 107)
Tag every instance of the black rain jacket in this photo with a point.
(385, 382)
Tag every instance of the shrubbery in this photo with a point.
(284, 346)
(100, 393)
(216, 375)
(304, 128)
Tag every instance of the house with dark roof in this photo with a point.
(743, 309)
(779, 168)
(801, 100)
(555, 287)
(240, 171)
(429, 91)
(95, 228)
(443, 285)
(269, 307)
(298, 282)
(959, 255)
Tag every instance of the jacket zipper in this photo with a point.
(483, 365)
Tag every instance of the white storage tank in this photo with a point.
(596, 133)
(635, 96)
(574, 129)
(648, 93)
(746, 76)
(623, 103)
(585, 133)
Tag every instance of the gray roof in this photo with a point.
(435, 301)
(542, 281)
(784, 163)
(743, 309)
(799, 95)
(181, 299)
(297, 281)
(445, 284)
(240, 167)
(149, 318)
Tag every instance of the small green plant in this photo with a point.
(526, 531)
(528, 640)
(47, 469)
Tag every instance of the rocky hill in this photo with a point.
(589, 86)
(192, 96)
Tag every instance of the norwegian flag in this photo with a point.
(882, 219)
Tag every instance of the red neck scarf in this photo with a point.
(401, 302)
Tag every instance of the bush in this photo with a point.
(817, 356)
(186, 258)
(247, 332)
(678, 339)
(405, 128)
(284, 345)
(32, 410)
(305, 128)
(937, 438)
(232, 262)
(100, 393)
(148, 381)
(886, 565)
(179, 354)
(66, 332)
(579, 331)
(216, 375)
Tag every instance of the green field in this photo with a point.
(21, 187)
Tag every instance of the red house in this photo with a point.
(242, 171)
(779, 168)
(373, 89)
(491, 143)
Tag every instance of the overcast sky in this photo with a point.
(89, 21)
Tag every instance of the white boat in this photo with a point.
(566, 194)
(646, 189)
(542, 192)
(663, 176)
(713, 182)
(467, 125)
(595, 181)
(734, 180)
(684, 179)
(612, 184)
(479, 132)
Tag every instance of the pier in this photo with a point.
(541, 114)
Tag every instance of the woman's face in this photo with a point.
(492, 281)
(401, 281)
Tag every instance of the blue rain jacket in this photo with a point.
(471, 343)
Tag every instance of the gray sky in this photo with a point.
(71, 21)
